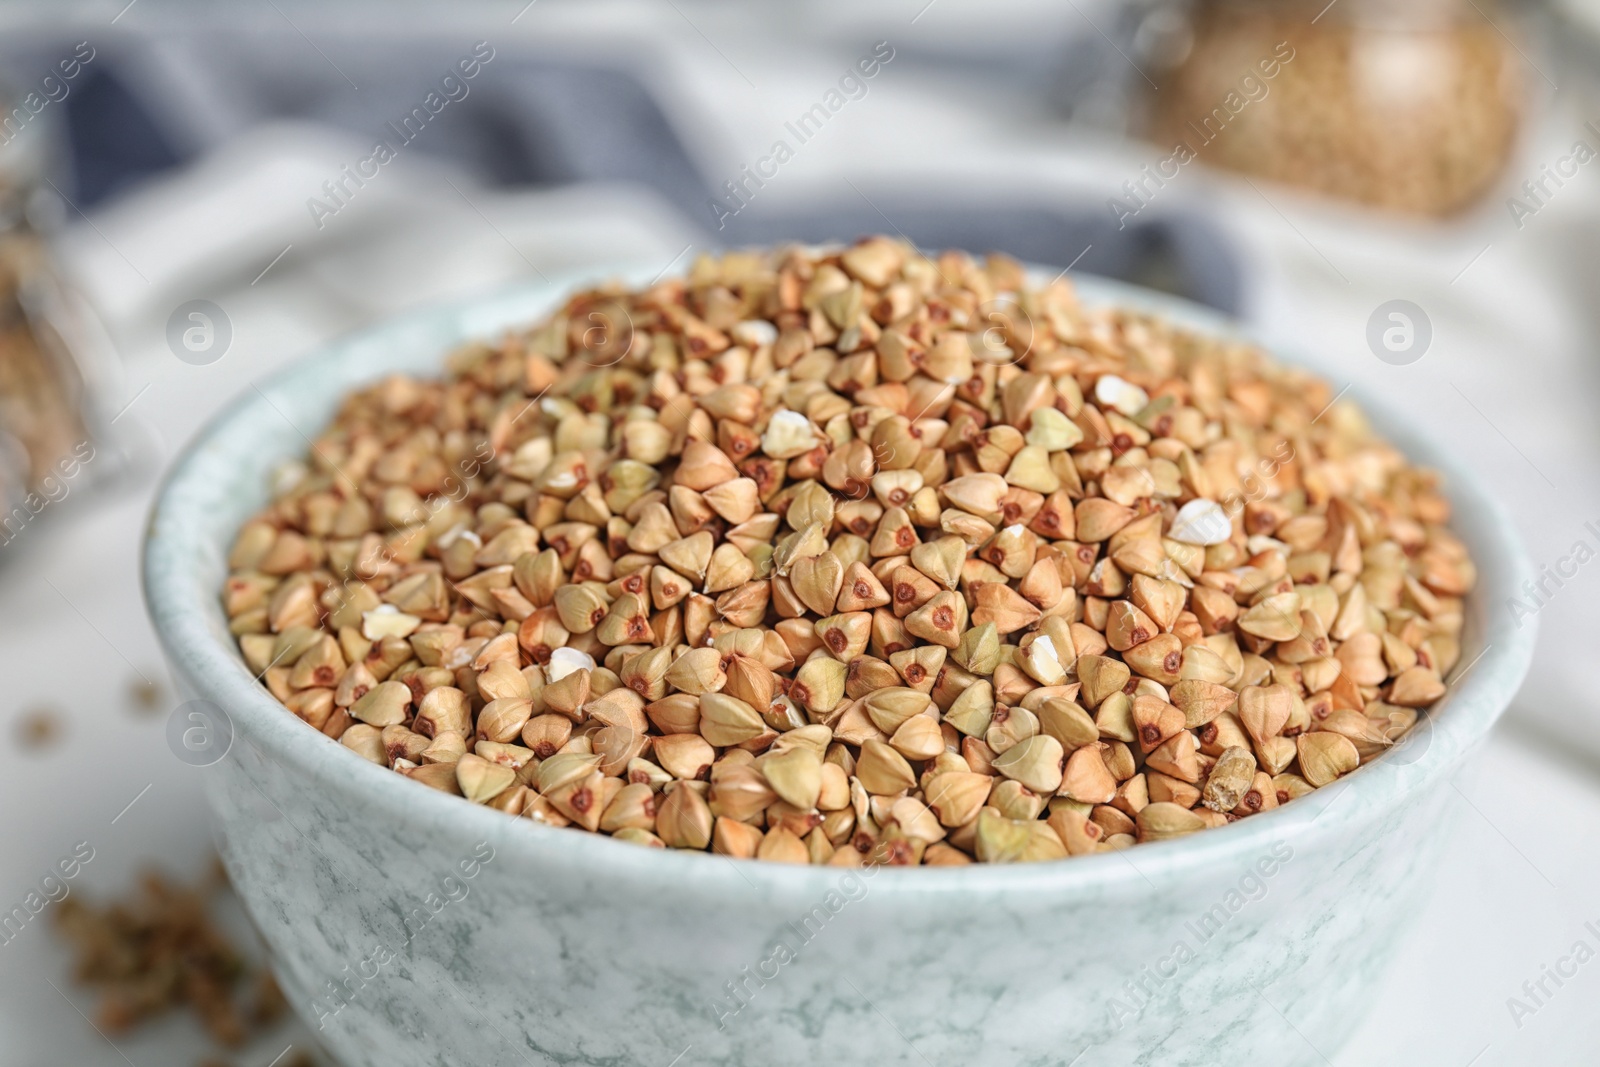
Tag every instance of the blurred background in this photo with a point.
(193, 195)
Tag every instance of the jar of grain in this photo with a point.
(1409, 106)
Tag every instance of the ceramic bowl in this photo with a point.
(409, 927)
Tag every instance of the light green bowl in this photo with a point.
(410, 927)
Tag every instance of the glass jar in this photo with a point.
(1412, 106)
(55, 362)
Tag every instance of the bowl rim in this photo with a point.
(185, 612)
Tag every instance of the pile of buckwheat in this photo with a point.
(856, 556)
(156, 949)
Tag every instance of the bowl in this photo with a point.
(410, 928)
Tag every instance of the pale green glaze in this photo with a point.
(571, 948)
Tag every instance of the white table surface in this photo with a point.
(1513, 327)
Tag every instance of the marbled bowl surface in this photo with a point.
(409, 927)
